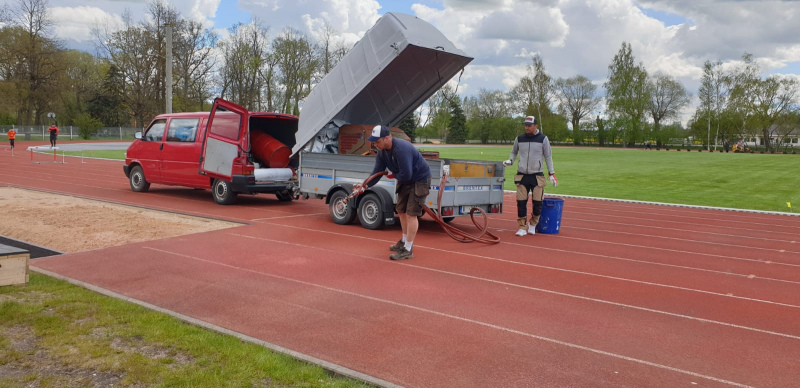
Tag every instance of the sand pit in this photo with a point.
(70, 224)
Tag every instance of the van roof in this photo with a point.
(205, 114)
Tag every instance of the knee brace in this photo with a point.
(522, 209)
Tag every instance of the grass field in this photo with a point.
(741, 181)
(54, 334)
(101, 154)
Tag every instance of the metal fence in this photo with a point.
(40, 132)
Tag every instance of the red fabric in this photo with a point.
(53, 128)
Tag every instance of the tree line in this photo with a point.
(124, 84)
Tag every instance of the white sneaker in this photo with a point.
(521, 232)
(531, 229)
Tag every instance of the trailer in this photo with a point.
(398, 64)
(332, 176)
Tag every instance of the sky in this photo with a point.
(573, 37)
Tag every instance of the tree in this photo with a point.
(297, 61)
(762, 102)
(667, 98)
(194, 63)
(458, 123)
(712, 95)
(627, 93)
(87, 126)
(409, 126)
(534, 90)
(37, 61)
(577, 96)
(244, 52)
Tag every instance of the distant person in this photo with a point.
(727, 145)
(648, 146)
(12, 134)
(533, 147)
(413, 184)
(53, 135)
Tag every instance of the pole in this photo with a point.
(168, 81)
(708, 141)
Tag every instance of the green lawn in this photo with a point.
(102, 154)
(743, 181)
(54, 334)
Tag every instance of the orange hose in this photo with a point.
(483, 236)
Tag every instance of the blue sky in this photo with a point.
(573, 37)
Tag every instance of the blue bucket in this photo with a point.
(550, 221)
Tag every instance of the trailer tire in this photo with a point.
(370, 212)
(222, 193)
(138, 183)
(448, 220)
(284, 196)
(344, 215)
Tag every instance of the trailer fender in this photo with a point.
(386, 201)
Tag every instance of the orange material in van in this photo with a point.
(269, 150)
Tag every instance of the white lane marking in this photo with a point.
(741, 236)
(536, 289)
(673, 250)
(455, 317)
(575, 271)
(282, 217)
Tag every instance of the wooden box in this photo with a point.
(462, 169)
(13, 265)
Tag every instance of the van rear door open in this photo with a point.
(227, 128)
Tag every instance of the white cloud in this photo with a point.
(75, 23)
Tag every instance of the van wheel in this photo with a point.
(341, 214)
(370, 212)
(284, 196)
(138, 183)
(223, 195)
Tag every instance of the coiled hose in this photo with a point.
(483, 236)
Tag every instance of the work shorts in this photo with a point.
(530, 182)
(411, 197)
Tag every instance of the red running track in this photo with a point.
(626, 294)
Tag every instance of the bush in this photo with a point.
(87, 125)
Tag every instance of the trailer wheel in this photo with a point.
(341, 214)
(222, 193)
(448, 220)
(284, 196)
(370, 212)
(138, 183)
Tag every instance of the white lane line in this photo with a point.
(468, 320)
(676, 251)
(535, 289)
(282, 217)
(683, 239)
(741, 236)
(579, 272)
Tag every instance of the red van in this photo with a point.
(229, 151)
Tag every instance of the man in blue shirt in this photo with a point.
(413, 184)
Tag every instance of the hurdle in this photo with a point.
(92, 154)
(43, 148)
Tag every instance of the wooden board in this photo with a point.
(13, 265)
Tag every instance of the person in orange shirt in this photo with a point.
(12, 134)
(53, 135)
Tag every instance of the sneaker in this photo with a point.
(398, 246)
(402, 255)
(521, 232)
(532, 229)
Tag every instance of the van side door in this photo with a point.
(225, 134)
(149, 151)
(181, 153)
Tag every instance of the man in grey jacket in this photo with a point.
(533, 147)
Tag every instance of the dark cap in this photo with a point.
(378, 132)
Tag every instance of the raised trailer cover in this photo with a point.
(392, 70)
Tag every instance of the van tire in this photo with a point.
(341, 216)
(138, 183)
(284, 196)
(370, 212)
(222, 193)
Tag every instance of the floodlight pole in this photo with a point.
(168, 80)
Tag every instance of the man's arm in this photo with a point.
(548, 157)
(514, 151)
(379, 167)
